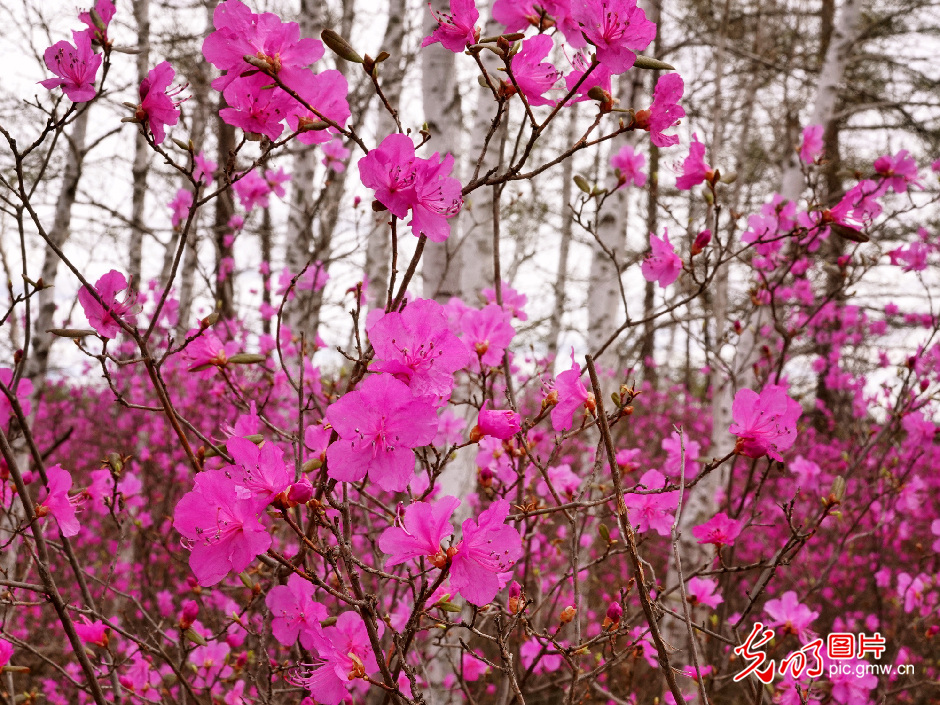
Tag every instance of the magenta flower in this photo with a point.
(379, 423)
(515, 15)
(76, 67)
(628, 166)
(701, 591)
(437, 198)
(898, 171)
(24, 391)
(205, 169)
(652, 511)
(853, 684)
(533, 76)
(565, 481)
(92, 632)
(208, 351)
(661, 264)
(326, 93)
(253, 190)
(912, 258)
(419, 531)
(255, 107)
(157, 107)
(487, 333)
(240, 32)
(664, 112)
(694, 169)
(276, 181)
(720, 530)
(389, 170)
(418, 347)
(295, 613)
(344, 654)
(456, 29)
(180, 206)
(513, 301)
(105, 11)
(572, 395)
(223, 526)
(765, 424)
(104, 319)
(261, 471)
(54, 499)
(502, 424)
(6, 652)
(616, 28)
(488, 547)
(787, 612)
(598, 78)
(335, 155)
(812, 145)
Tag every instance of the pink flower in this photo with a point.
(252, 190)
(437, 198)
(205, 168)
(652, 511)
(807, 473)
(628, 165)
(502, 424)
(812, 145)
(572, 395)
(180, 206)
(565, 481)
(295, 613)
(24, 391)
(701, 591)
(344, 654)
(787, 612)
(255, 107)
(418, 347)
(54, 499)
(694, 169)
(326, 93)
(222, 522)
(852, 686)
(472, 668)
(418, 532)
(898, 171)
(515, 15)
(533, 76)
(157, 107)
(379, 423)
(92, 632)
(335, 155)
(208, 351)
(488, 547)
(598, 78)
(661, 264)
(616, 28)
(935, 530)
(389, 170)
(261, 471)
(487, 333)
(104, 9)
(276, 181)
(104, 319)
(6, 652)
(765, 424)
(720, 530)
(455, 29)
(549, 660)
(513, 301)
(76, 67)
(664, 112)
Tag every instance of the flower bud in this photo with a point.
(701, 241)
(567, 614)
(613, 616)
(188, 614)
(340, 46)
(301, 491)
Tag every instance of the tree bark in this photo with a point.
(564, 247)
(141, 151)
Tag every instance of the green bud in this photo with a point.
(195, 637)
(328, 622)
(449, 607)
(340, 46)
(647, 62)
(246, 358)
(582, 183)
(604, 532)
(71, 332)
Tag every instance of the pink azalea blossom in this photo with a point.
(912, 258)
(533, 76)
(472, 668)
(616, 28)
(207, 351)
(335, 155)
(418, 347)
(437, 198)
(789, 613)
(898, 171)
(76, 67)
(295, 613)
(157, 108)
(807, 473)
(255, 107)
(701, 591)
(262, 471)
(764, 423)
(105, 10)
(600, 77)
(565, 481)
(572, 396)
(487, 548)
(104, 319)
(204, 170)
(513, 301)
(515, 15)
(852, 686)
(720, 530)
(418, 532)
(502, 424)
(92, 632)
(179, 207)
(24, 391)
(664, 112)
(6, 652)
(253, 190)
(223, 524)
(389, 170)
(628, 165)
(325, 92)
(456, 29)
(812, 145)
(661, 264)
(379, 423)
(694, 169)
(652, 511)
(487, 333)
(54, 499)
